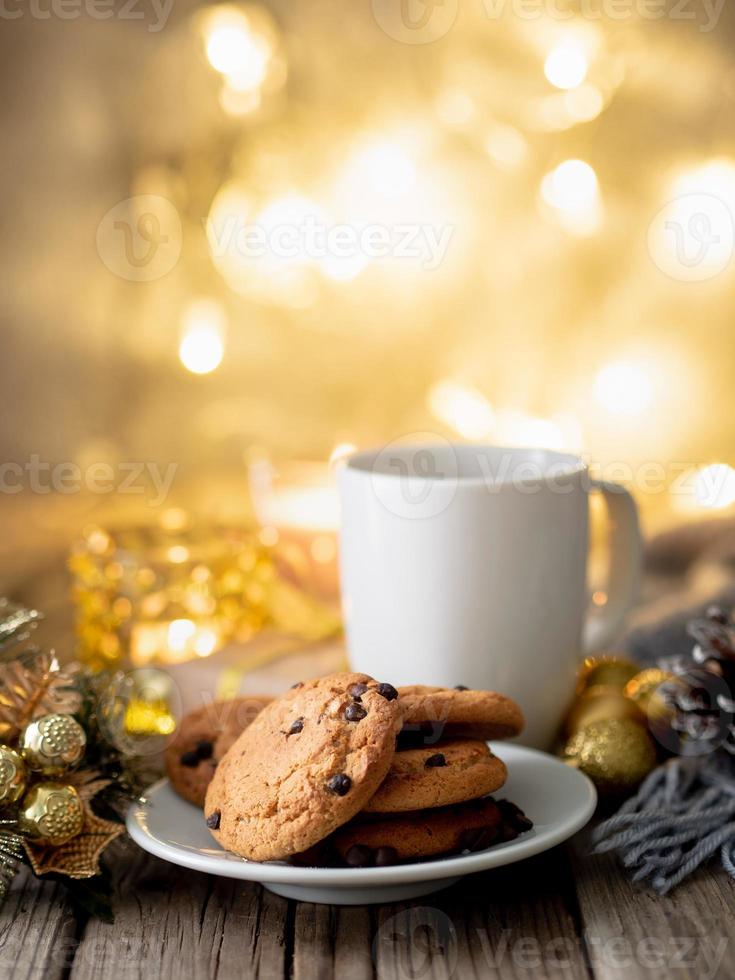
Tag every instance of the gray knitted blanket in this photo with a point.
(684, 812)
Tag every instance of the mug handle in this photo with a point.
(626, 559)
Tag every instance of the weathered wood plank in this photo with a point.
(37, 930)
(331, 942)
(631, 932)
(174, 923)
(518, 921)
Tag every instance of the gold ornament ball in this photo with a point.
(601, 704)
(13, 775)
(616, 754)
(51, 813)
(52, 744)
(605, 671)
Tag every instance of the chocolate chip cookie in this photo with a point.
(431, 713)
(201, 740)
(308, 763)
(422, 834)
(451, 771)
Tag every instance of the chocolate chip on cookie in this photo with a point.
(296, 727)
(355, 712)
(213, 820)
(190, 759)
(435, 761)
(357, 690)
(387, 691)
(340, 784)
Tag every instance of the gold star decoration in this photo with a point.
(78, 857)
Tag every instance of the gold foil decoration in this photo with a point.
(52, 744)
(13, 775)
(79, 856)
(34, 685)
(51, 813)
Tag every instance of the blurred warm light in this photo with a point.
(714, 486)
(384, 167)
(237, 102)
(584, 103)
(462, 408)
(202, 346)
(340, 453)
(566, 65)
(455, 107)
(506, 147)
(235, 47)
(715, 177)
(572, 190)
(205, 642)
(624, 388)
(343, 268)
(519, 429)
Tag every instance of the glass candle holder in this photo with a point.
(297, 505)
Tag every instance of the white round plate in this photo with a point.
(558, 799)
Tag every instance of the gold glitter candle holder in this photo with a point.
(167, 593)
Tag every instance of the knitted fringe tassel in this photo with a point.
(682, 814)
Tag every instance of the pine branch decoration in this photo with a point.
(33, 685)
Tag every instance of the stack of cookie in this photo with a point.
(346, 770)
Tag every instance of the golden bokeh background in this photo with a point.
(564, 172)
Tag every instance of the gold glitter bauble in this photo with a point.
(605, 671)
(616, 754)
(52, 744)
(13, 775)
(601, 704)
(51, 813)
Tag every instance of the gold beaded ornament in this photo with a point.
(52, 744)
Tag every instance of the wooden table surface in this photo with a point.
(561, 914)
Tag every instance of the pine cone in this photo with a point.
(702, 690)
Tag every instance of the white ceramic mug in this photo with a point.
(468, 565)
